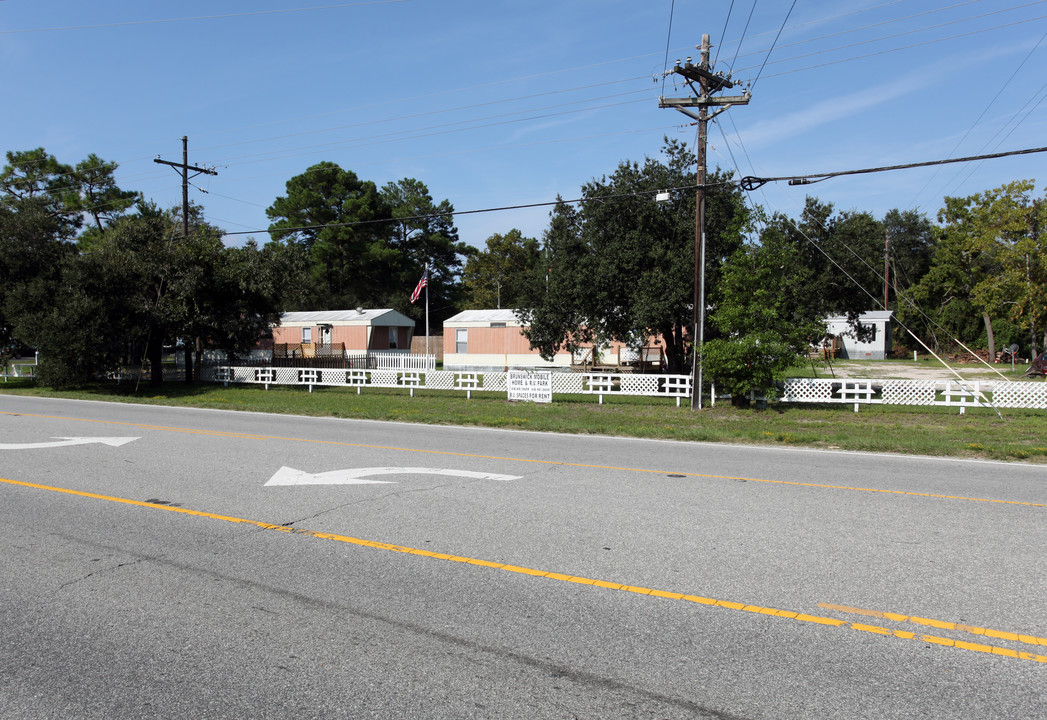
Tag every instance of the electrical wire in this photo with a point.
(454, 213)
(891, 50)
(508, 99)
(386, 138)
(963, 381)
(443, 128)
(771, 49)
(723, 33)
(742, 38)
(1043, 96)
(882, 23)
(751, 183)
(982, 115)
(668, 40)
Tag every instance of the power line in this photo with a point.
(453, 213)
(890, 50)
(726, 22)
(539, 94)
(876, 301)
(401, 135)
(751, 183)
(771, 49)
(742, 38)
(881, 23)
(473, 150)
(668, 39)
(746, 183)
(442, 128)
(982, 115)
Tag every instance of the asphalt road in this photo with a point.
(235, 565)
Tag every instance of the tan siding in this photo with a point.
(511, 341)
(287, 335)
(354, 337)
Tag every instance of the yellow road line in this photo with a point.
(727, 604)
(940, 624)
(249, 436)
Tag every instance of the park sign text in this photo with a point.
(530, 386)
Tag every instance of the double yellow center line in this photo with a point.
(788, 614)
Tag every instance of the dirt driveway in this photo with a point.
(921, 370)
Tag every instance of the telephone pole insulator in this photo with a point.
(183, 169)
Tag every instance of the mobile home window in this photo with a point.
(461, 337)
(307, 335)
(392, 338)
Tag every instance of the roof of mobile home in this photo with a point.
(484, 318)
(359, 316)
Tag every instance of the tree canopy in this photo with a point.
(368, 247)
(500, 274)
(990, 265)
(118, 292)
(97, 279)
(621, 266)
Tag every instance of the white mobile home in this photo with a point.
(877, 347)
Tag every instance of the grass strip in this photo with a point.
(938, 431)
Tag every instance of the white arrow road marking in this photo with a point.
(67, 441)
(359, 476)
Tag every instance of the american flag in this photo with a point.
(421, 284)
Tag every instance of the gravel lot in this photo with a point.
(929, 370)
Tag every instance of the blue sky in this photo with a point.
(502, 103)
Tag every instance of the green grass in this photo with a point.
(1020, 436)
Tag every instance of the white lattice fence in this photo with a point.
(909, 392)
(568, 383)
(674, 386)
(1029, 395)
(807, 390)
(1020, 395)
(947, 393)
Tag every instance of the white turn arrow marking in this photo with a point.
(67, 441)
(359, 476)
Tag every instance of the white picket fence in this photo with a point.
(402, 361)
(599, 384)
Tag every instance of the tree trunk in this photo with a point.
(989, 337)
(155, 354)
(674, 349)
(188, 361)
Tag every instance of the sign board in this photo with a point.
(530, 385)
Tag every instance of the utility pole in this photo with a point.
(704, 83)
(183, 169)
(886, 265)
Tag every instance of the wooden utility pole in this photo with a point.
(704, 83)
(886, 265)
(183, 169)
